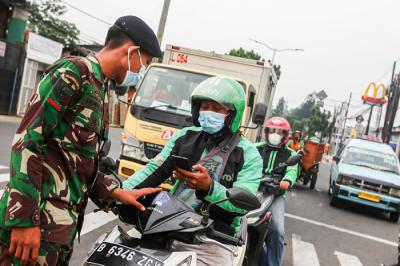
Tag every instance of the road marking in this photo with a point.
(343, 230)
(4, 177)
(304, 253)
(347, 259)
(2, 167)
(94, 220)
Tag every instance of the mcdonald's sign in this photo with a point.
(375, 99)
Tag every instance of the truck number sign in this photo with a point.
(179, 58)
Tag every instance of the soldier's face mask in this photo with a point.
(133, 78)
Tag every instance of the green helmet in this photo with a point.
(225, 91)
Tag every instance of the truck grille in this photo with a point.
(151, 150)
(371, 186)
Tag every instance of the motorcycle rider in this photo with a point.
(221, 159)
(274, 152)
(296, 143)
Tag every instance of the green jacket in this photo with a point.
(274, 157)
(54, 151)
(243, 170)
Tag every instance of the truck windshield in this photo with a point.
(372, 159)
(168, 89)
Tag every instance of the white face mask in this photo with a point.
(275, 139)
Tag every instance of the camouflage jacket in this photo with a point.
(54, 152)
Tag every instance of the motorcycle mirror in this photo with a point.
(259, 114)
(243, 199)
(107, 165)
(105, 149)
(293, 160)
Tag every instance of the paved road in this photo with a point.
(316, 233)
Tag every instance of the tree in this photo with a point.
(245, 54)
(309, 118)
(281, 108)
(45, 18)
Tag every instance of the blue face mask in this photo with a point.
(211, 122)
(133, 78)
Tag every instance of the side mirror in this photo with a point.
(336, 158)
(243, 199)
(293, 160)
(121, 90)
(105, 149)
(259, 114)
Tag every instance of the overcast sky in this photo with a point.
(347, 43)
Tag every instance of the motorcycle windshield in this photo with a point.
(162, 209)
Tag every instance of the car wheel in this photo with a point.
(394, 217)
(334, 201)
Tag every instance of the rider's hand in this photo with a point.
(200, 180)
(284, 185)
(25, 243)
(130, 196)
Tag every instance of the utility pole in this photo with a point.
(378, 120)
(333, 126)
(369, 119)
(345, 118)
(163, 20)
(391, 110)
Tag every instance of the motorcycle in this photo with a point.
(258, 220)
(166, 218)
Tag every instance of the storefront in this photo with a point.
(40, 53)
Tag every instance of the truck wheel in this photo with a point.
(394, 217)
(313, 180)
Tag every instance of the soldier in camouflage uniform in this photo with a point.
(55, 150)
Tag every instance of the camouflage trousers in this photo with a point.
(50, 254)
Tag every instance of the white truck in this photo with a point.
(259, 74)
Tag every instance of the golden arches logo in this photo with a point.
(375, 99)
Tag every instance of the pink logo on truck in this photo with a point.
(167, 134)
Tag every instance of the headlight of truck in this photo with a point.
(344, 180)
(394, 192)
(132, 147)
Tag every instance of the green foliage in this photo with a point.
(277, 69)
(280, 109)
(307, 118)
(44, 17)
(245, 54)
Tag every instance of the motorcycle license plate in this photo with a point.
(114, 254)
(368, 196)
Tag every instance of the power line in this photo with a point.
(86, 13)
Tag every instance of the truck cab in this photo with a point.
(162, 106)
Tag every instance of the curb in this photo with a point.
(10, 118)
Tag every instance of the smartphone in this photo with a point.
(181, 162)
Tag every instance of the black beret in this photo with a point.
(140, 33)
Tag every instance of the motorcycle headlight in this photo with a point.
(394, 192)
(132, 147)
(186, 262)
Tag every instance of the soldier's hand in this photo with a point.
(284, 185)
(130, 196)
(25, 243)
